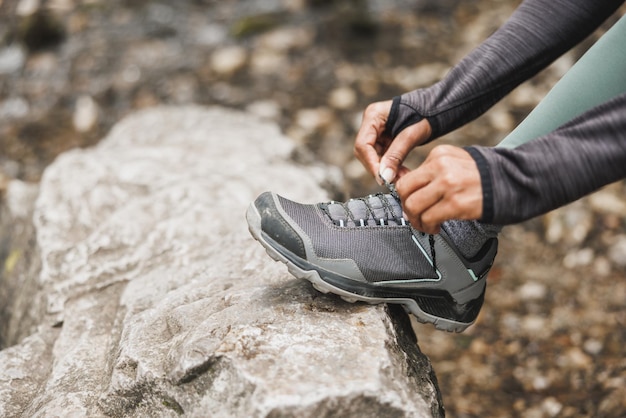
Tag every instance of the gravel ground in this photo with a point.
(550, 341)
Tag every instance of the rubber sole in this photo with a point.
(318, 282)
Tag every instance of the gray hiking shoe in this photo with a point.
(364, 250)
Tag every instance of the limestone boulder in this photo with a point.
(135, 289)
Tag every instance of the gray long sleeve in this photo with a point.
(537, 33)
(574, 160)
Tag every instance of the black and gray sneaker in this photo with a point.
(364, 250)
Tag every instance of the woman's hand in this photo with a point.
(446, 186)
(378, 152)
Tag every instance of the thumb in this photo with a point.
(409, 138)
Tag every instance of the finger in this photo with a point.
(419, 202)
(432, 229)
(395, 155)
(370, 141)
(432, 218)
(367, 146)
(413, 180)
(368, 151)
(423, 226)
(409, 138)
(402, 171)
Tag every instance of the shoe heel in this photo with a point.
(443, 306)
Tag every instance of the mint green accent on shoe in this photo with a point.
(428, 258)
(598, 76)
(471, 273)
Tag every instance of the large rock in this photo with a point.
(146, 295)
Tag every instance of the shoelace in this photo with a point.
(389, 214)
(431, 237)
(366, 204)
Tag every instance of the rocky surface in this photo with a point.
(551, 339)
(154, 300)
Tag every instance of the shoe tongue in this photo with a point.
(374, 207)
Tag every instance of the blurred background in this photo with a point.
(550, 341)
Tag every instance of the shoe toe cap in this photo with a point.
(276, 224)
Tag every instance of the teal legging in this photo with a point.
(598, 76)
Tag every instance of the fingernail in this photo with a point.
(387, 173)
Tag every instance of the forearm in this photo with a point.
(536, 34)
(553, 170)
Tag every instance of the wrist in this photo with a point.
(486, 183)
